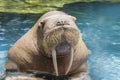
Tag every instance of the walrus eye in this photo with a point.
(74, 18)
(41, 25)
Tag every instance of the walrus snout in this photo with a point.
(63, 48)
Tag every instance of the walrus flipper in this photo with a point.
(11, 66)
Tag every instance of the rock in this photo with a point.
(21, 78)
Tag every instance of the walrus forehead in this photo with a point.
(55, 23)
(58, 16)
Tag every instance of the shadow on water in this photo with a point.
(99, 23)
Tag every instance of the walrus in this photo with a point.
(53, 45)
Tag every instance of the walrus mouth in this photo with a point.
(62, 49)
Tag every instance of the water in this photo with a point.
(100, 28)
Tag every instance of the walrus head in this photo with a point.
(60, 36)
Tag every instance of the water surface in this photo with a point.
(99, 24)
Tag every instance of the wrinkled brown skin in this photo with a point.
(28, 53)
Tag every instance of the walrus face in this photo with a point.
(60, 37)
(61, 34)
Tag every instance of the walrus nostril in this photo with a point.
(60, 23)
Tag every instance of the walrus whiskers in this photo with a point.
(55, 61)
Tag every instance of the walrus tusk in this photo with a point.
(54, 61)
(70, 62)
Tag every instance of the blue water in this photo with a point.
(99, 24)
